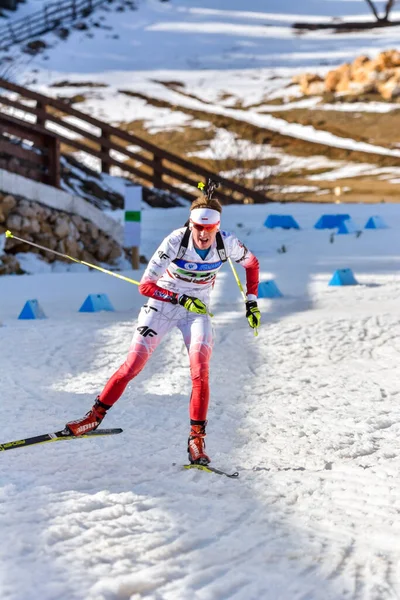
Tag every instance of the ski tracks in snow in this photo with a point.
(308, 412)
(326, 444)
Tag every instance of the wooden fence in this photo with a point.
(148, 165)
(52, 16)
(39, 160)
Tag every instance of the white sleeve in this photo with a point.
(235, 249)
(238, 252)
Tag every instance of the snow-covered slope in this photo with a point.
(308, 412)
(156, 65)
(207, 34)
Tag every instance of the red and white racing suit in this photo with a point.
(164, 277)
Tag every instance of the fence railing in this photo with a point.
(38, 160)
(52, 16)
(146, 163)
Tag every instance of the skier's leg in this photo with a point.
(155, 320)
(139, 353)
(199, 341)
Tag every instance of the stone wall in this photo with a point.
(54, 229)
(380, 75)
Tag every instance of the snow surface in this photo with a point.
(308, 413)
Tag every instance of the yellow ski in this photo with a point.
(209, 469)
(57, 436)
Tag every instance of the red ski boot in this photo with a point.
(197, 445)
(90, 421)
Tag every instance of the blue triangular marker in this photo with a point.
(96, 302)
(375, 223)
(330, 221)
(347, 226)
(32, 310)
(284, 221)
(343, 277)
(269, 289)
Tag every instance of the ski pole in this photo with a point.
(8, 234)
(236, 276)
(82, 262)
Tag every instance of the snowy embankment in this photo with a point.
(308, 413)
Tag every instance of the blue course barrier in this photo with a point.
(32, 310)
(283, 221)
(95, 303)
(269, 289)
(330, 221)
(347, 226)
(343, 277)
(375, 223)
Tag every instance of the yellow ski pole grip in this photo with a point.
(236, 276)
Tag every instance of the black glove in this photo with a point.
(253, 314)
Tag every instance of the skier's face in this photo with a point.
(204, 235)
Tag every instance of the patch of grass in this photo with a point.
(291, 145)
(169, 84)
(77, 99)
(269, 102)
(362, 126)
(180, 141)
(66, 83)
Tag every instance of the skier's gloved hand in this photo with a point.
(253, 314)
(192, 304)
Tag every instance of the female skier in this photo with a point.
(178, 281)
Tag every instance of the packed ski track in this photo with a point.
(307, 412)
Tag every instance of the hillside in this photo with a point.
(216, 85)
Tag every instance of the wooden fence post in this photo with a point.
(157, 172)
(41, 113)
(105, 165)
(54, 161)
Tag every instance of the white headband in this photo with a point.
(205, 216)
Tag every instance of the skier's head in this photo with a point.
(205, 216)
